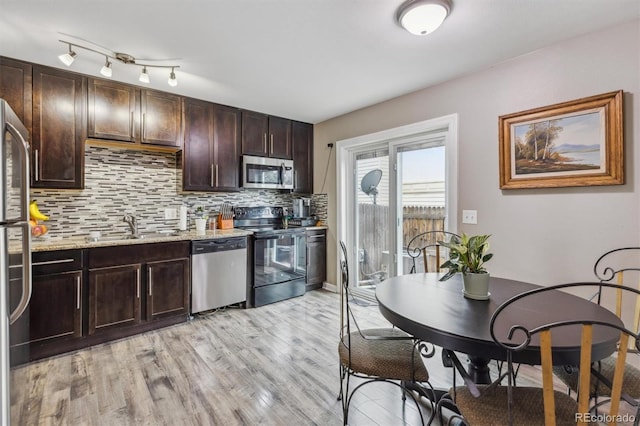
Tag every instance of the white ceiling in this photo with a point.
(308, 60)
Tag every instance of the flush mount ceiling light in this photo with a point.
(107, 71)
(422, 17)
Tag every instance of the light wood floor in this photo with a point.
(274, 365)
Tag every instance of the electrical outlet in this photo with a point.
(170, 213)
(470, 217)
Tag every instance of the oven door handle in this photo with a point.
(271, 237)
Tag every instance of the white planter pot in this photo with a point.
(201, 225)
(476, 286)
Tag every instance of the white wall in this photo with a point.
(544, 236)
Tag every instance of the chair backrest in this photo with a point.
(508, 331)
(622, 267)
(346, 313)
(427, 246)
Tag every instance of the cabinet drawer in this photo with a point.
(104, 257)
(316, 235)
(53, 262)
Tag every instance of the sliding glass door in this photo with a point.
(421, 199)
(399, 192)
(372, 211)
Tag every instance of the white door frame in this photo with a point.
(446, 126)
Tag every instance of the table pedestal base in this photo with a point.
(478, 369)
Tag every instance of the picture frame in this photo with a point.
(575, 143)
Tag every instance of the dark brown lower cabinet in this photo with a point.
(54, 312)
(85, 297)
(114, 297)
(138, 287)
(316, 258)
(54, 315)
(167, 288)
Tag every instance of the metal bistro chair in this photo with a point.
(524, 405)
(427, 246)
(381, 354)
(620, 267)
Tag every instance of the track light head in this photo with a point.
(106, 69)
(144, 76)
(68, 58)
(173, 82)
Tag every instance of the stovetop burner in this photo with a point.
(262, 220)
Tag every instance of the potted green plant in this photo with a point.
(467, 255)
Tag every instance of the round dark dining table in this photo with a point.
(437, 312)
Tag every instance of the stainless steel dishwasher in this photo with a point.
(218, 273)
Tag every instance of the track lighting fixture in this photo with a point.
(144, 77)
(172, 79)
(107, 70)
(68, 58)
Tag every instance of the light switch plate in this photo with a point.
(470, 217)
(170, 213)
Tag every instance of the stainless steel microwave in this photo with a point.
(266, 173)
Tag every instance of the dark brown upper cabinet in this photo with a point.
(211, 155)
(265, 135)
(113, 110)
(125, 113)
(15, 88)
(161, 118)
(59, 129)
(302, 141)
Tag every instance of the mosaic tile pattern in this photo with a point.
(122, 181)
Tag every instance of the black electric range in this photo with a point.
(279, 254)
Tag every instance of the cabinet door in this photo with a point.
(226, 138)
(316, 258)
(112, 110)
(15, 88)
(114, 297)
(54, 311)
(302, 137)
(161, 118)
(167, 288)
(197, 160)
(254, 133)
(58, 128)
(279, 137)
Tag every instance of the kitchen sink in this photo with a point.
(133, 237)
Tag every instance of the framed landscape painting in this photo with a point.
(576, 143)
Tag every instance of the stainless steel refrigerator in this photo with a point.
(15, 241)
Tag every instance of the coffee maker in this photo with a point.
(302, 208)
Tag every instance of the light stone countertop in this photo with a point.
(82, 242)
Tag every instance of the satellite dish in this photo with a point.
(369, 183)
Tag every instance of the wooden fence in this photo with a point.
(374, 232)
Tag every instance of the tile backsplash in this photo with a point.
(121, 181)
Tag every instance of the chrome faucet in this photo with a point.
(130, 220)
